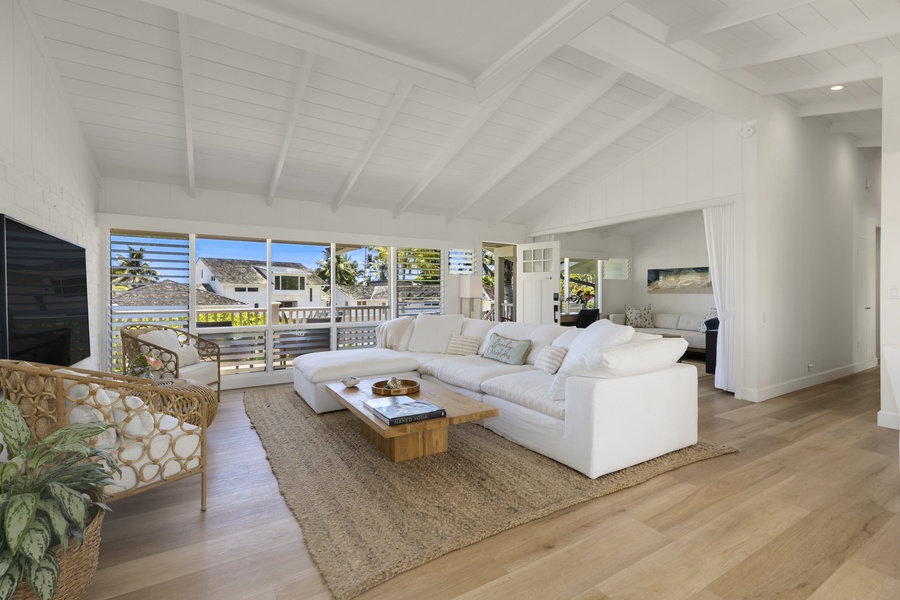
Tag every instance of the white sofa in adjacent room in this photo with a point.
(598, 399)
(688, 327)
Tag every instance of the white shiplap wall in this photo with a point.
(46, 179)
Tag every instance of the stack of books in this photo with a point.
(396, 410)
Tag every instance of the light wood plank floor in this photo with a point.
(807, 509)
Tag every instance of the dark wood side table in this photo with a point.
(712, 336)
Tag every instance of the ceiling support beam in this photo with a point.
(825, 79)
(869, 127)
(729, 17)
(618, 44)
(387, 117)
(840, 106)
(603, 142)
(588, 98)
(50, 64)
(884, 26)
(184, 43)
(869, 142)
(299, 91)
(484, 113)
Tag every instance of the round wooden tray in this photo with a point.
(407, 386)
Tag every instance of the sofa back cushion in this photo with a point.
(433, 332)
(476, 327)
(637, 358)
(666, 320)
(568, 337)
(542, 337)
(584, 354)
(690, 322)
(507, 350)
(390, 334)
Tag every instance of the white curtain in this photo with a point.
(719, 224)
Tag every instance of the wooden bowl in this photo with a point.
(407, 386)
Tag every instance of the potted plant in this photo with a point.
(144, 365)
(50, 494)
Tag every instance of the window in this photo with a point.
(461, 262)
(240, 289)
(290, 282)
(617, 268)
(419, 282)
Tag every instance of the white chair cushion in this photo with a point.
(204, 371)
(433, 332)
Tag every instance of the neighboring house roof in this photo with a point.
(170, 293)
(379, 291)
(359, 292)
(236, 271)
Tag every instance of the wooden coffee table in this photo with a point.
(411, 440)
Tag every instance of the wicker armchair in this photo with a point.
(145, 339)
(153, 441)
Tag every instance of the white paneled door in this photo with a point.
(537, 282)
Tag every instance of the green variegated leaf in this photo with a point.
(10, 470)
(6, 559)
(17, 518)
(36, 540)
(71, 503)
(107, 459)
(75, 432)
(10, 580)
(15, 431)
(58, 524)
(42, 575)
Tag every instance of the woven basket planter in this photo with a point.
(76, 567)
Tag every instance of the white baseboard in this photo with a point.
(230, 382)
(786, 387)
(891, 420)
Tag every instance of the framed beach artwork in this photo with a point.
(694, 280)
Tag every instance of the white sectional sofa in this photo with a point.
(685, 326)
(598, 399)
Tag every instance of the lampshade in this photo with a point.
(470, 286)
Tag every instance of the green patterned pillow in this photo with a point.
(507, 350)
(638, 317)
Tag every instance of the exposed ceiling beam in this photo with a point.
(729, 17)
(600, 144)
(589, 97)
(869, 126)
(400, 94)
(569, 21)
(184, 43)
(614, 42)
(464, 137)
(869, 142)
(882, 27)
(840, 106)
(299, 91)
(50, 64)
(292, 32)
(825, 79)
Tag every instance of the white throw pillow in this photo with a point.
(433, 332)
(638, 358)
(464, 345)
(141, 420)
(390, 333)
(188, 355)
(550, 358)
(86, 414)
(165, 338)
(583, 356)
(636, 316)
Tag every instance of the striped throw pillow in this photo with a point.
(550, 358)
(465, 345)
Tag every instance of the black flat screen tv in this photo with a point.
(43, 297)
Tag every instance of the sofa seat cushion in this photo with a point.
(530, 389)
(469, 372)
(320, 367)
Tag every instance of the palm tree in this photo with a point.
(346, 271)
(377, 264)
(133, 270)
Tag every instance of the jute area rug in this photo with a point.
(366, 519)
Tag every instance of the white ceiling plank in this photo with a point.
(589, 152)
(515, 160)
(292, 32)
(299, 89)
(869, 127)
(570, 21)
(823, 80)
(487, 110)
(387, 118)
(840, 106)
(25, 7)
(184, 38)
(729, 17)
(614, 42)
(847, 36)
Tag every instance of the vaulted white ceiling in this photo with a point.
(491, 110)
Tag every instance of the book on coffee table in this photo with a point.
(396, 410)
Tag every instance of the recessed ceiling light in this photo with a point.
(835, 88)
